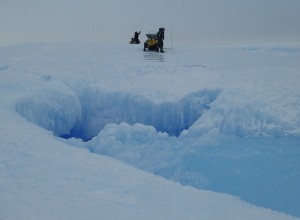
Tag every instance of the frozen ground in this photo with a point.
(225, 119)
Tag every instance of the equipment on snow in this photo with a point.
(155, 41)
(135, 39)
(151, 43)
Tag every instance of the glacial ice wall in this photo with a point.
(82, 113)
(101, 108)
(54, 108)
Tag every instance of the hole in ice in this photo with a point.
(99, 109)
(83, 116)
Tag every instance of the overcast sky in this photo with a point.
(204, 21)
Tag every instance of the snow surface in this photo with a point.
(226, 119)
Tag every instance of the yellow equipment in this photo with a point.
(151, 43)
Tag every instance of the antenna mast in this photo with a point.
(172, 41)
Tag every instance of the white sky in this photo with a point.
(204, 21)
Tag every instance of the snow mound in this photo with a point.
(126, 141)
(233, 115)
